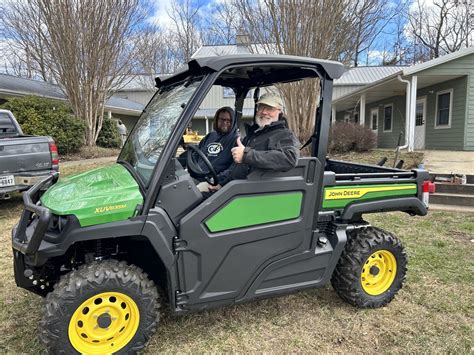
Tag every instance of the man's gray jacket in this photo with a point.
(273, 147)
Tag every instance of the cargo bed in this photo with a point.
(352, 189)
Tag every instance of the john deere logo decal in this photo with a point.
(333, 194)
(341, 196)
(109, 208)
(214, 148)
(347, 193)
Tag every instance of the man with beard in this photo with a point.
(268, 145)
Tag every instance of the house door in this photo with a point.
(420, 123)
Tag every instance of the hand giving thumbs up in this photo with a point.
(238, 152)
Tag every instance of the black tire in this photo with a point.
(348, 277)
(86, 284)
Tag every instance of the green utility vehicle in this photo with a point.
(100, 244)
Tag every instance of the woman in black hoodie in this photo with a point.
(217, 145)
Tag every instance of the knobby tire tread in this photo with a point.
(97, 277)
(346, 277)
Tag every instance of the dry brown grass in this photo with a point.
(433, 313)
(91, 153)
(68, 169)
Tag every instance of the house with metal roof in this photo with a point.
(11, 86)
(355, 78)
(437, 97)
(140, 89)
(431, 105)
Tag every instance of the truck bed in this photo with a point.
(24, 159)
(352, 189)
(346, 170)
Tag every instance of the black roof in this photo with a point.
(261, 70)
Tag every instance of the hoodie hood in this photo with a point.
(217, 147)
(230, 111)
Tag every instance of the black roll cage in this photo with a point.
(319, 136)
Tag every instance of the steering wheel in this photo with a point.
(211, 175)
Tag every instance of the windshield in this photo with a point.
(147, 140)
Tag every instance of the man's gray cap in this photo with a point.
(271, 100)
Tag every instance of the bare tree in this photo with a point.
(318, 29)
(442, 28)
(162, 50)
(222, 25)
(369, 19)
(27, 54)
(155, 52)
(397, 51)
(186, 31)
(84, 44)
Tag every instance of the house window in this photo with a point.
(356, 117)
(347, 118)
(444, 103)
(419, 113)
(387, 118)
(374, 118)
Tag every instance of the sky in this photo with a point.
(160, 8)
(158, 15)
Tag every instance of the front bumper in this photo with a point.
(28, 243)
(27, 236)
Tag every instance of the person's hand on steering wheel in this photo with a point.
(211, 175)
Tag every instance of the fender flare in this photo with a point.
(157, 228)
(410, 205)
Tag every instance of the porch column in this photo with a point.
(109, 114)
(333, 115)
(411, 131)
(362, 110)
(207, 124)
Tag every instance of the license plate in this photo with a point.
(7, 180)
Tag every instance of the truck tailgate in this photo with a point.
(24, 154)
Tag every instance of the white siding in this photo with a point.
(215, 99)
(142, 97)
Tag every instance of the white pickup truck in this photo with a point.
(24, 159)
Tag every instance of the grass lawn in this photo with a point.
(433, 313)
(90, 153)
(84, 166)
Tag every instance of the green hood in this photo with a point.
(97, 196)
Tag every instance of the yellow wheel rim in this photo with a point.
(378, 272)
(104, 323)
